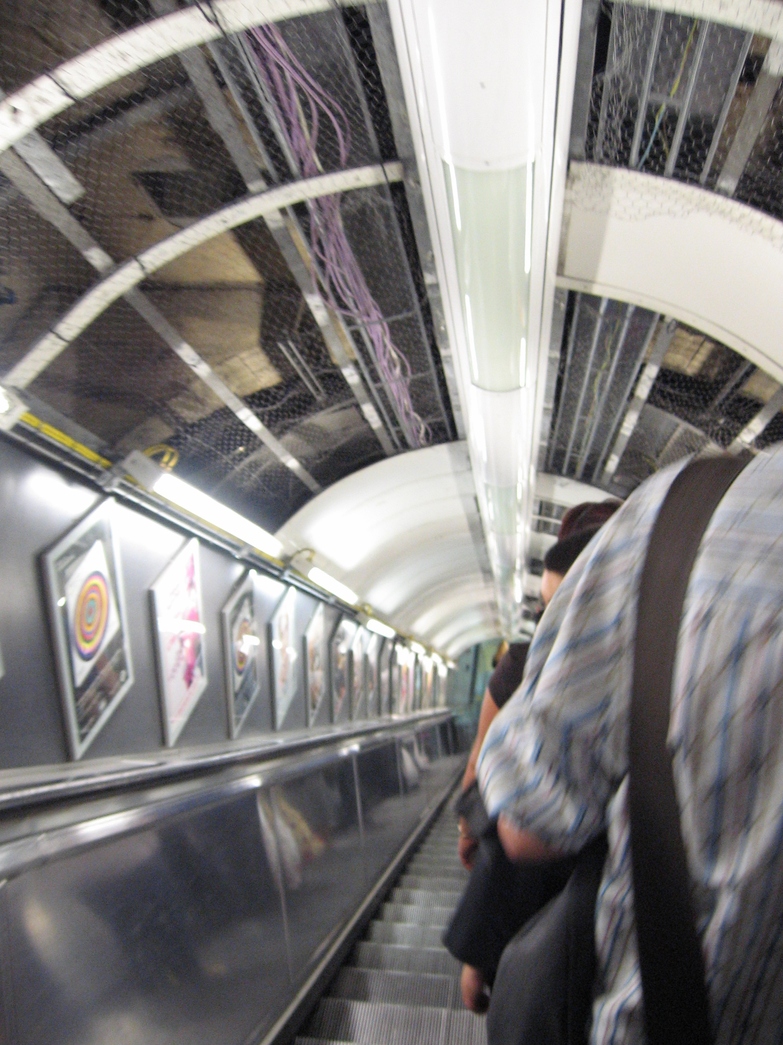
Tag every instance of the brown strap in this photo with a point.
(676, 1005)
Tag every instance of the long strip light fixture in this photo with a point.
(200, 505)
(481, 87)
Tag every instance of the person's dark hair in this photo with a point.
(562, 556)
(587, 516)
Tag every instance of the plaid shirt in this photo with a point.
(555, 759)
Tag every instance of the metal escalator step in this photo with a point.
(436, 869)
(441, 882)
(407, 935)
(415, 914)
(372, 955)
(364, 1021)
(337, 1019)
(398, 988)
(428, 897)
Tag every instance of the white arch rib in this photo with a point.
(78, 78)
(680, 250)
(128, 275)
(764, 17)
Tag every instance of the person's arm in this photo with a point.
(523, 846)
(467, 844)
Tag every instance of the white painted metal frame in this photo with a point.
(134, 271)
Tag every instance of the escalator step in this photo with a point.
(414, 914)
(428, 897)
(407, 935)
(369, 955)
(399, 988)
(421, 866)
(337, 1019)
(442, 882)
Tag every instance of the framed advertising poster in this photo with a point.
(384, 676)
(358, 689)
(284, 655)
(179, 631)
(427, 673)
(87, 612)
(404, 700)
(241, 647)
(316, 663)
(340, 662)
(371, 676)
(417, 683)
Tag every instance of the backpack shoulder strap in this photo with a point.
(676, 1005)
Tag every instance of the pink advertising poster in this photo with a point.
(180, 633)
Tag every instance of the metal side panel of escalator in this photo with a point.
(211, 905)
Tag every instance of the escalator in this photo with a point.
(400, 986)
(212, 897)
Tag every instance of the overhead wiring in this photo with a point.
(301, 105)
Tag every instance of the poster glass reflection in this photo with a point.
(242, 647)
(180, 633)
(384, 676)
(340, 658)
(87, 610)
(284, 656)
(359, 686)
(372, 675)
(316, 664)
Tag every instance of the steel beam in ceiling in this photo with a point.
(724, 113)
(284, 229)
(566, 374)
(55, 91)
(134, 271)
(584, 78)
(682, 119)
(641, 115)
(643, 387)
(752, 121)
(616, 356)
(758, 423)
(45, 203)
(599, 325)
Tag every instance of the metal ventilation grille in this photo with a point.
(256, 348)
(636, 392)
(685, 98)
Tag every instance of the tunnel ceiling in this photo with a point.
(272, 351)
(314, 318)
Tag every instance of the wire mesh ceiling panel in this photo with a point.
(312, 320)
(637, 391)
(685, 98)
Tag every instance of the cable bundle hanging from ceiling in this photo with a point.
(300, 103)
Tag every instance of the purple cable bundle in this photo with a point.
(344, 287)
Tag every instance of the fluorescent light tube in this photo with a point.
(328, 583)
(207, 508)
(380, 628)
(418, 648)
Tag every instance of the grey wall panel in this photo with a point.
(167, 936)
(37, 505)
(317, 824)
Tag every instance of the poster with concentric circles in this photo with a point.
(84, 585)
(242, 648)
